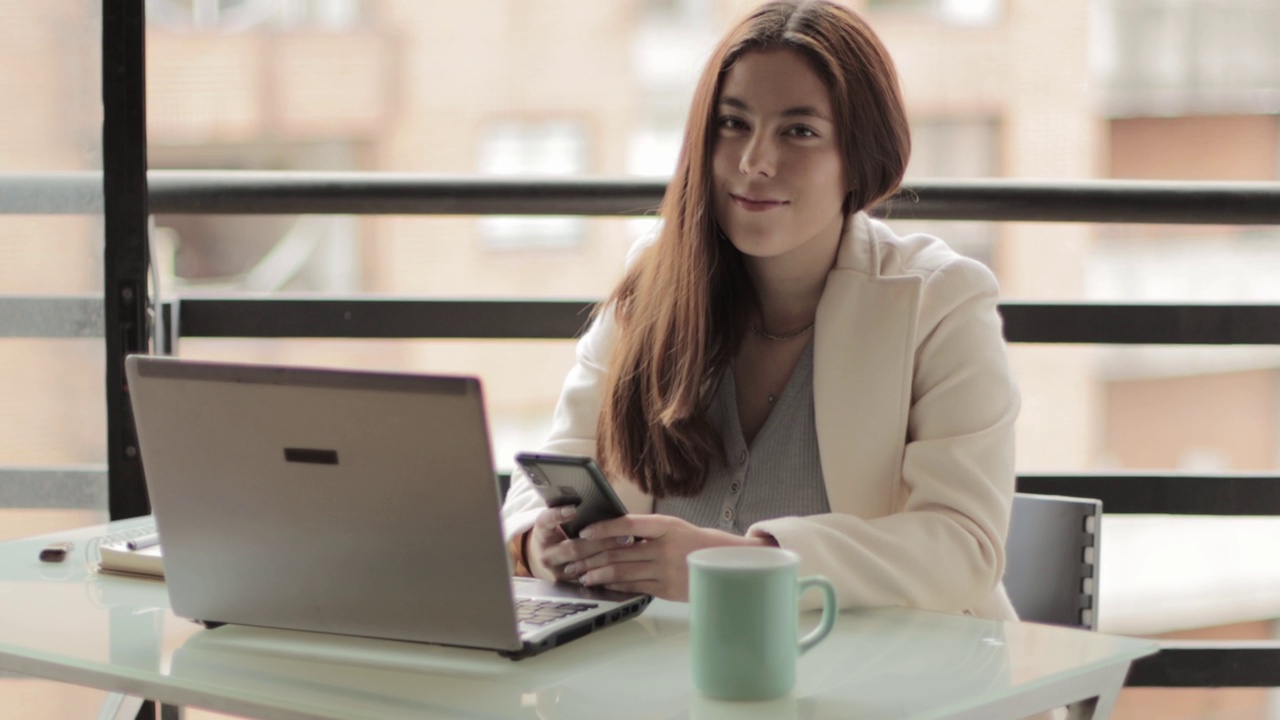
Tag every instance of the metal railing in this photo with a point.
(374, 193)
(1179, 665)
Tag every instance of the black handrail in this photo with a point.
(379, 193)
(1109, 201)
(404, 318)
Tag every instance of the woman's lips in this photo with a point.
(756, 204)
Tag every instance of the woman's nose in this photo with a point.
(759, 157)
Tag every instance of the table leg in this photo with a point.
(127, 707)
(120, 707)
(151, 711)
(1099, 707)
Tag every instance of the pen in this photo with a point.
(143, 541)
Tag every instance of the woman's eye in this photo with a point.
(803, 131)
(729, 122)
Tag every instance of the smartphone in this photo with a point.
(572, 480)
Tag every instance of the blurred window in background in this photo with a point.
(957, 12)
(954, 148)
(1166, 58)
(241, 15)
(533, 149)
(53, 433)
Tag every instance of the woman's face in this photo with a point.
(779, 179)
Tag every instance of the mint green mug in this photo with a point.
(744, 603)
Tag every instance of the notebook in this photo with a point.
(128, 552)
(357, 503)
(117, 558)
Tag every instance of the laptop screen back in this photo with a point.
(347, 502)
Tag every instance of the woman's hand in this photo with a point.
(549, 550)
(545, 537)
(646, 554)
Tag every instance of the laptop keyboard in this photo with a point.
(541, 612)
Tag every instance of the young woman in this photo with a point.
(776, 367)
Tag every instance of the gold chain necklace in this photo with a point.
(761, 332)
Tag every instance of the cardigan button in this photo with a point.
(728, 514)
(742, 457)
(733, 487)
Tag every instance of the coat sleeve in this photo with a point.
(943, 549)
(574, 424)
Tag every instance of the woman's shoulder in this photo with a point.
(913, 254)
(924, 256)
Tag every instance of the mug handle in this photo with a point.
(828, 610)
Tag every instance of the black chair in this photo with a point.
(1051, 559)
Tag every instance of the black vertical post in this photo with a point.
(125, 258)
(125, 212)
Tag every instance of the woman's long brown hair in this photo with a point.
(682, 307)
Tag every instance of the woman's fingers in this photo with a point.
(550, 518)
(639, 526)
(575, 550)
(655, 562)
(546, 528)
(610, 555)
(544, 538)
(630, 570)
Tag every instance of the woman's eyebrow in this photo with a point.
(798, 111)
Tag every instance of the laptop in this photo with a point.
(340, 501)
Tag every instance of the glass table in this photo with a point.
(65, 622)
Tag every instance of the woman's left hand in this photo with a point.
(651, 552)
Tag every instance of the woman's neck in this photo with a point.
(789, 286)
(787, 303)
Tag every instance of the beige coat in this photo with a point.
(915, 407)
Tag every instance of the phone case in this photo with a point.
(572, 480)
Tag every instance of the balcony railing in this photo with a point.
(212, 192)
(1179, 665)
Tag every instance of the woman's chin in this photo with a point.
(757, 244)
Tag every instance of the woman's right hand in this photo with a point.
(549, 550)
(545, 536)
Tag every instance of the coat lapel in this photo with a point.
(863, 355)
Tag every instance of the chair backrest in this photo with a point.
(1051, 559)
